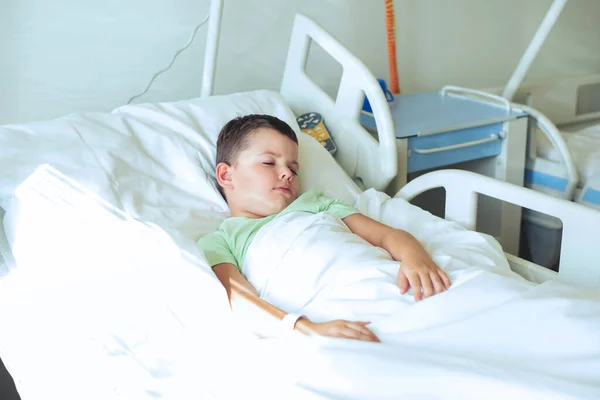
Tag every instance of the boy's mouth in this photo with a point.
(284, 189)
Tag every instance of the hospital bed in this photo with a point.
(572, 105)
(474, 130)
(559, 163)
(150, 167)
(563, 153)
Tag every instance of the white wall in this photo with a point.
(81, 55)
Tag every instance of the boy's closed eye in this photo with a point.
(271, 164)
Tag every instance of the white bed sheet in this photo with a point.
(584, 146)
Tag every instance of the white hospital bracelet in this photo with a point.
(288, 322)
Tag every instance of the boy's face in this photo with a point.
(263, 179)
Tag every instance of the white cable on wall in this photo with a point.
(188, 44)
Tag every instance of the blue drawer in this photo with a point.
(445, 149)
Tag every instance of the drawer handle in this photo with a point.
(476, 93)
(492, 138)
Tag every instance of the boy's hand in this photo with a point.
(338, 328)
(419, 272)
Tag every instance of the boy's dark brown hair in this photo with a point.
(236, 134)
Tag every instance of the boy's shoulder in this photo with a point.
(211, 237)
(224, 232)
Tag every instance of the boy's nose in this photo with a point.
(286, 173)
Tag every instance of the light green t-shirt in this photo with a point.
(230, 243)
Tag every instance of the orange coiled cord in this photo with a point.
(391, 42)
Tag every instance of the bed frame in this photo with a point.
(578, 264)
(372, 161)
(358, 151)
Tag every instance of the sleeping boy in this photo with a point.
(257, 173)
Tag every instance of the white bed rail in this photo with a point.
(361, 155)
(558, 142)
(579, 262)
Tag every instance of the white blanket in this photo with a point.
(495, 332)
(103, 306)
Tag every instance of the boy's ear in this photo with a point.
(223, 174)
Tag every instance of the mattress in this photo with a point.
(584, 146)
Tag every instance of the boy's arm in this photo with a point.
(264, 319)
(417, 270)
(260, 316)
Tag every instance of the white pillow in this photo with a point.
(55, 142)
(103, 305)
(152, 174)
(199, 121)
